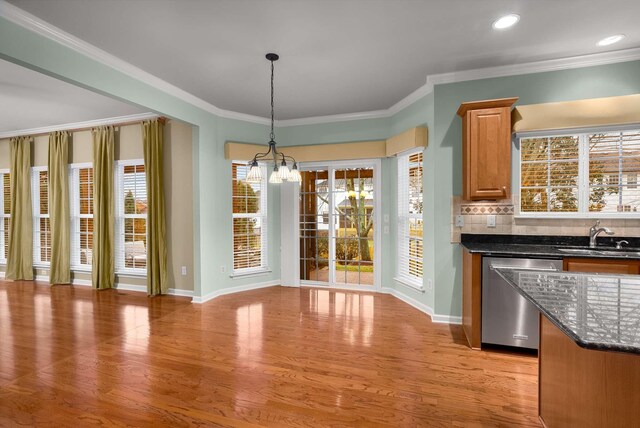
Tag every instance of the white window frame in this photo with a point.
(3, 244)
(120, 267)
(37, 215)
(264, 218)
(74, 200)
(403, 274)
(583, 173)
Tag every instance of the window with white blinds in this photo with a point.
(410, 222)
(5, 214)
(131, 217)
(81, 201)
(594, 174)
(41, 225)
(249, 208)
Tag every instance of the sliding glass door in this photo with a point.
(338, 224)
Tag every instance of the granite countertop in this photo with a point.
(597, 311)
(549, 246)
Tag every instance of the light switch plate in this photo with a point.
(386, 230)
(459, 221)
(491, 220)
(386, 218)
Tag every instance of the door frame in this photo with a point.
(331, 166)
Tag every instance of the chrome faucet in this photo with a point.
(595, 231)
(619, 244)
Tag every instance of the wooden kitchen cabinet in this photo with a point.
(486, 148)
(615, 266)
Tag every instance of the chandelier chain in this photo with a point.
(273, 135)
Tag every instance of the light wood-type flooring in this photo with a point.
(76, 357)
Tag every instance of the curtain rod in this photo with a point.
(86, 126)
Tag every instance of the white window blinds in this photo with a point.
(131, 217)
(249, 208)
(41, 226)
(410, 222)
(593, 173)
(81, 199)
(5, 214)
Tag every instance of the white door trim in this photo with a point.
(377, 206)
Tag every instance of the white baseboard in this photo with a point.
(232, 290)
(118, 285)
(446, 319)
(408, 300)
(436, 318)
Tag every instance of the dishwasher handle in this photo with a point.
(549, 269)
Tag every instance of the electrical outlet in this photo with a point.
(386, 230)
(429, 285)
(386, 218)
(491, 220)
(459, 221)
(223, 269)
(184, 270)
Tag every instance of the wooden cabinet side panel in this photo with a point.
(472, 297)
(614, 266)
(585, 388)
(466, 158)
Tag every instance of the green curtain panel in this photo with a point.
(156, 226)
(20, 256)
(103, 160)
(59, 216)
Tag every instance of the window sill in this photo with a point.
(410, 284)
(76, 269)
(131, 274)
(256, 272)
(42, 266)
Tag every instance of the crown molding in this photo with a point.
(35, 24)
(590, 60)
(119, 120)
(315, 120)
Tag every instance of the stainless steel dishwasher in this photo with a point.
(507, 317)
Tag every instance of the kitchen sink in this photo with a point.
(600, 252)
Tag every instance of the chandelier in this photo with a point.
(281, 171)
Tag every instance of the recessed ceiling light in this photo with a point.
(506, 21)
(611, 40)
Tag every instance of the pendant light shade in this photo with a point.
(294, 174)
(275, 177)
(255, 173)
(281, 170)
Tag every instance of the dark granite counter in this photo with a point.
(549, 246)
(597, 311)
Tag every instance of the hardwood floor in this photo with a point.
(73, 356)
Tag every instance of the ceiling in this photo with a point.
(336, 56)
(30, 100)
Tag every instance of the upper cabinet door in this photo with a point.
(486, 151)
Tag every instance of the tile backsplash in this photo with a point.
(475, 215)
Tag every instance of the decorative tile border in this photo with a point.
(486, 209)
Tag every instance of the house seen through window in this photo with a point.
(589, 173)
(131, 217)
